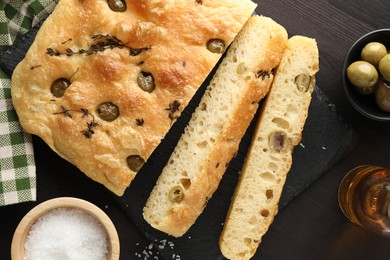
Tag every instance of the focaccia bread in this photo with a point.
(214, 132)
(278, 131)
(104, 80)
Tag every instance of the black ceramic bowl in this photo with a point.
(365, 104)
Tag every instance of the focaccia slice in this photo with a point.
(279, 129)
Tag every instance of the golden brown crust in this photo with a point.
(170, 37)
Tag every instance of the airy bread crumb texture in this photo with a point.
(255, 202)
(212, 136)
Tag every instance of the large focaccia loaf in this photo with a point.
(256, 198)
(214, 132)
(96, 115)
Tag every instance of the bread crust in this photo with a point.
(209, 163)
(170, 37)
(255, 201)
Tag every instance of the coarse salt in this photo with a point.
(64, 234)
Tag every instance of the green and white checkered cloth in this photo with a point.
(17, 166)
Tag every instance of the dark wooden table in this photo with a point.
(311, 226)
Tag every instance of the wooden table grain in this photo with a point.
(312, 225)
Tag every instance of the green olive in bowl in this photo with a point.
(363, 76)
(382, 94)
(373, 52)
(384, 67)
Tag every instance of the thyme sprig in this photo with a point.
(35, 66)
(88, 132)
(264, 73)
(101, 42)
(68, 40)
(172, 108)
(137, 51)
(139, 121)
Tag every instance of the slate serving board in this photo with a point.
(326, 139)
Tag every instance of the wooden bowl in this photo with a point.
(21, 232)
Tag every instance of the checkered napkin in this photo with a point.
(17, 166)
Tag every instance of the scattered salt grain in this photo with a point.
(176, 257)
(323, 148)
(301, 144)
(171, 244)
(64, 234)
(150, 252)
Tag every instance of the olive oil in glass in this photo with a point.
(364, 198)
